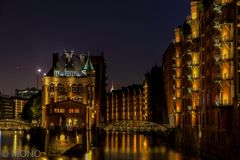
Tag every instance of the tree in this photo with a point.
(32, 109)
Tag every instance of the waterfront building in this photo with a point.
(19, 104)
(7, 110)
(125, 104)
(206, 78)
(26, 93)
(139, 102)
(68, 94)
(169, 83)
(99, 65)
(20, 99)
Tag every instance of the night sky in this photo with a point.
(133, 34)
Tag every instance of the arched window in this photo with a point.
(74, 88)
(51, 88)
(80, 88)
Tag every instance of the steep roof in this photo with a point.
(88, 65)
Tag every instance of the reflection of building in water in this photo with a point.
(68, 92)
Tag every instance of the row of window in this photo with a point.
(62, 98)
(70, 110)
(74, 88)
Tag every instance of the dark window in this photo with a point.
(80, 88)
(74, 88)
(51, 88)
(60, 87)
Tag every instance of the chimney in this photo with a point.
(55, 59)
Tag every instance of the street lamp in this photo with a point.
(39, 71)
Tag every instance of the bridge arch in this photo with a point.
(135, 126)
(14, 124)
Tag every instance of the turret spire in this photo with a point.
(88, 67)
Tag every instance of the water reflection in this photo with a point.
(15, 144)
(135, 147)
(113, 146)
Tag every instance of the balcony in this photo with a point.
(217, 78)
(217, 25)
(189, 63)
(195, 63)
(217, 57)
(195, 89)
(189, 77)
(227, 77)
(195, 108)
(189, 107)
(223, 104)
(189, 52)
(227, 57)
(189, 37)
(195, 77)
(217, 7)
(174, 87)
(217, 42)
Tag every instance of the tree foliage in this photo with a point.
(33, 108)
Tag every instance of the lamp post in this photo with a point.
(39, 71)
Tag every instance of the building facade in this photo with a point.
(26, 93)
(99, 65)
(68, 94)
(139, 102)
(169, 83)
(20, 99)
(7, 110)
(206, 78)
(125, 104)
(19, 104)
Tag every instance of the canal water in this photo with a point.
(110, 146)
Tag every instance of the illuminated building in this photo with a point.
(19, 104)
(125, 104)
(21, 97)
(6, 108)
(169, 83)
(68, 94)
(206, 74)
(26, 93)
(99, 65)
(139, 102)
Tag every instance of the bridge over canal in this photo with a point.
(137, 126)
(14, 124)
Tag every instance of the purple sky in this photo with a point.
(132, 33)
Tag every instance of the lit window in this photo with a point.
(77, 111)
(56, 110)
(71, 110)
(62, 110)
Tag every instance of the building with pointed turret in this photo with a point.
(68, 95)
